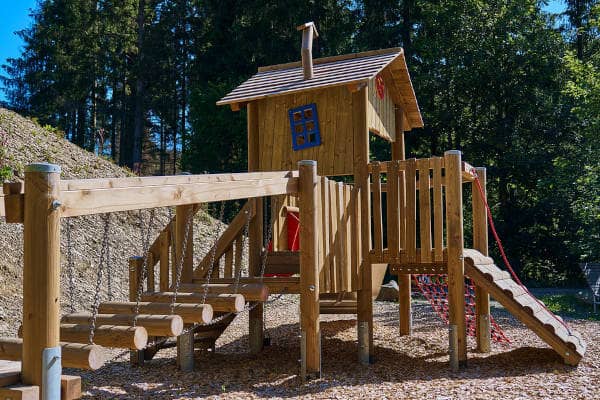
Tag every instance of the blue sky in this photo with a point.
(15, 16)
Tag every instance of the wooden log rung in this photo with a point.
(190, 313)
(73, 355)
(156, 325)
(219, 302)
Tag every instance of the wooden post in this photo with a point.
(456, 270)
(309, 271)
(404, 280)
(362, 186)
(255, 233)
(41, 276)
(136, 263)
(183, 223)
(480, 242)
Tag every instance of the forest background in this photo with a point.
(517, 89)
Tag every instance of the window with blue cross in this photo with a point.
(304, 124)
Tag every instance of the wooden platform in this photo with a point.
(517, 299)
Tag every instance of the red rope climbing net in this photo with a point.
(435, 290)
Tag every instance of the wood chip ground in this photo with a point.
(414, 367)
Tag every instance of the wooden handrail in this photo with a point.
(94, 201)
(131, 182)
(226, 240)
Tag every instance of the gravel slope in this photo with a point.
(27, 143)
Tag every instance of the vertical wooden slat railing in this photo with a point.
(338, 232)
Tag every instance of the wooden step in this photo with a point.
(73, 355)
(250, 291)
(567, 343)
(337, 307)
(190, 313)
(283, 262)
(219, 302)
(156, 325)
(123, 337)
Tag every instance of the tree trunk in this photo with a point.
(138, 131)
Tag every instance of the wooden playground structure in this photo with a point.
(407, 214)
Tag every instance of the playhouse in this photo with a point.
(309, 123)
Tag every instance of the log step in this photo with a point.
(219, 302)
(74, 355)
(190, 313)
(337, 307)
(250, 291)
(156, 325)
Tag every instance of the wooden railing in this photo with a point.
(410, 196)
(339, 237)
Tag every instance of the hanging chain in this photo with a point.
(145, 236)
(99, 273)
(238, 271)
(213, 254)
(70, 267)
(179, 267)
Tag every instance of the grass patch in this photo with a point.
(571, 306)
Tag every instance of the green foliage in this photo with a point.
(570, 306)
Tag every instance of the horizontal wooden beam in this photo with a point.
(96, 201)
(115, 183)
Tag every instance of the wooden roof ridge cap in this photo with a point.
(325, 60)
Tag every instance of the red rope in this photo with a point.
(503, 253)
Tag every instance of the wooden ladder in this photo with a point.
(521, 303)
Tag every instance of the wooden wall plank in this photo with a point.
(424, 209)
(438, 209)
(377, 210)
(411, 210)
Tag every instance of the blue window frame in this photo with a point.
(304, 124)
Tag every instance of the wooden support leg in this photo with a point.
(309, 272)
(41, 279)
(184, 224)
(365, 317)
(456, 271)
(185, 352)
(482, 316)
(256, 315)
(480, 242)
(404, 300)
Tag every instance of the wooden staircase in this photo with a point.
(522, 304)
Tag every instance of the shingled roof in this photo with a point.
(348, 69)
